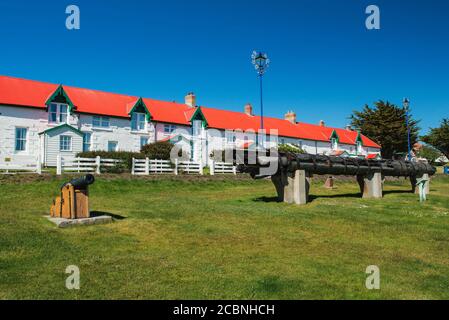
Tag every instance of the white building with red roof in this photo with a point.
(39, 119)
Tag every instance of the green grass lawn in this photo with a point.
(225, 238)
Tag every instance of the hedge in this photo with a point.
(158, 150)
(125, 156)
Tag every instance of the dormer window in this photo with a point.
(334, 144)
(359, 146)
(57, 113)
(138, 121)
(140, 115)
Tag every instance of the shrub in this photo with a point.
(125, 156)
(290, 148)
(158, 150)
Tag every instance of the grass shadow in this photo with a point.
(396, 191)
(101, 213)
(266, 199)
(313, 197)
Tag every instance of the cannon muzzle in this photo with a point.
(81, 183)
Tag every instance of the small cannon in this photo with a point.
(73, 203)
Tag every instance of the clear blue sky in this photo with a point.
(325, 63)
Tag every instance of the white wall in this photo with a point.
(119, 130)
(34, 120)
(52, 145)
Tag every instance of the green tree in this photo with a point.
(429, 153)
(439, 137)
(385, 123)
(158, 150)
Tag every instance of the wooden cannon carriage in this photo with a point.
(73, 203)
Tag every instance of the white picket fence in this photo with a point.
(14, 165)
(147, 166)
(190, 167)
(86, 165)
(222, 167)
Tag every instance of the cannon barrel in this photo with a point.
(333, 165)
(82, 182)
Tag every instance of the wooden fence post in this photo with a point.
(132, 166)
(176, 167)
(212, 167)
(234, 170)
(98, 165)
(38, 165)
(147, 166)
(201, 165)
(58, 165)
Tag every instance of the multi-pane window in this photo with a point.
(112, 146)
(196, 127)
(143, 141)
(359, 147)
(230, 137)
(138, 121)
(87, 137)
(100, 122)
(21, 139)
(57, 113)
(62, 113)
(169, 128)
(65, 143)
(334, 144)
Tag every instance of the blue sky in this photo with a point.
(325, 63)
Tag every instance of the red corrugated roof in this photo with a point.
(22, 92)
(222, 119)
(372, 156)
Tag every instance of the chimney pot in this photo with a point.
(322, 123)
(348, 127)
(291, 117)
(249, 109)
(190, 100)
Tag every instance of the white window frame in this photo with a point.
(58, 112)
(116, 145)
(24, 140)
(61, 143)
(359, 147)
(138, 121)
(230, 137)
(103, 122)
(169, 128)
(334, 144)
(197, 127)
(144, 138)
(89, 143)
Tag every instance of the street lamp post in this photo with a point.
(406, 104)
(261, 62)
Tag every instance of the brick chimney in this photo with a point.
(290, 116)
(322, 123)
(348, 127)
(249, 109)
(190, 100)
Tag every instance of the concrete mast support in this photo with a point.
(371, 185)
(292, 187)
